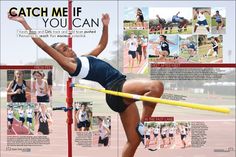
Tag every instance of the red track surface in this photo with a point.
(17, 129)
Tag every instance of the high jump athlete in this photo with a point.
(89, 67)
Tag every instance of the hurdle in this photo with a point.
(156, 100)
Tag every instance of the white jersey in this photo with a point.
(102, 132)
(148, 132)
(82, 116)
(40, 88)
(201, 17)
(132, 44)
(183, 131)
(29, 113)
(21, 113)
(171, 131)
(156, 131)
(10, 114)
(163, 131)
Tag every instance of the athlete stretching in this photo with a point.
(89, 67)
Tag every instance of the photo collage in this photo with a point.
(29, 111)
(172, 35)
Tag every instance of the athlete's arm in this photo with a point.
(76, 116)
(45, 90)
(28, 88)
(64, 62)
(9, 91)
(170, 42)
(34, 87)
(104, 38)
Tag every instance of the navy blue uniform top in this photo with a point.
(99, 71)
(165, 46)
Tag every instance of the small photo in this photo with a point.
(43, 118)
(20, 119)
(101, 131)
(210, 48)
(18, 86)
(83, 116)
(170, 20)
(183, 134)
(201, 20)
(163, 48)
(42, 81)
(135, 18)
(167, 135)
(218, 20)
(135, 51)
(188, 46)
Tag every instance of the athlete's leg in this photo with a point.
(208, 53)
(195, 28)
(144, 87)
(130, 119)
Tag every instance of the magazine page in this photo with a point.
(117, 78)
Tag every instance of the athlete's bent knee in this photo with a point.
(157, 87)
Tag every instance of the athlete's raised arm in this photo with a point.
(104, 38)
(64, 62)
(170, 42)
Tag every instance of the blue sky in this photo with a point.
(130, 13)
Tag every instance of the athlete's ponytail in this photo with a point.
(164, 36)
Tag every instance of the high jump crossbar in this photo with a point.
(156, 100)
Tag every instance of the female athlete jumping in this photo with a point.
(89, 67)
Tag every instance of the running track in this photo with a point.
(17, 129)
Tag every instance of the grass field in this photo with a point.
(132, 25)
(203, 51)
(175, 30)
(185, 54)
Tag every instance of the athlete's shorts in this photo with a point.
(171, 135)
(163, 136)
(49, 81)
(116, 103)
(147, 136)
(132, 53)
(215, 49)
(139, 50)
(44, 98)
(155, 135)
(218, 21)
(204, 22)
(22, 119)
(103, 141)
(183, 136)
(83, 124)
(144, 47)
(10, 120)
(29, 120)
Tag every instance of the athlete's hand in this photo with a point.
(15, 18)
(105, 19)
(18, 91)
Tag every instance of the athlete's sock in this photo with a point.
(140, 131)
